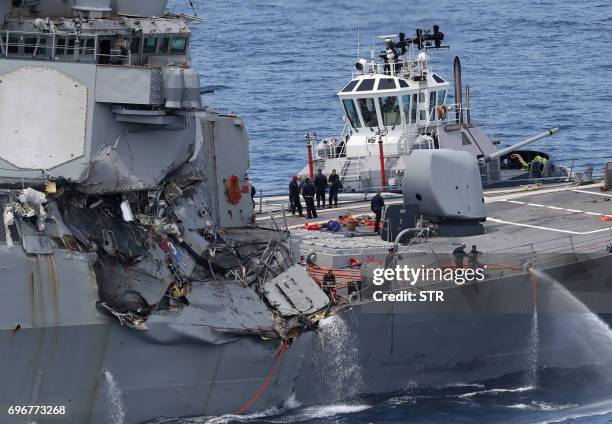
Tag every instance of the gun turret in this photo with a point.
(523, 143)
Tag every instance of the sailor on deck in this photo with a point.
(377, 206)
(294, 196)
(334, 186)
(459, 254)
(329, 286)
(308, 191)
(320, 183)
(473, 257)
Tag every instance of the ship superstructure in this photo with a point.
(396, 103)
(127, 255)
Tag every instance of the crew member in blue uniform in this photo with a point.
(459, 254)
(334, 186)
(308, 191)
(294, 196)
(377, 206)
(320, 183)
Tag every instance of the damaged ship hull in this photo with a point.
(59, 352)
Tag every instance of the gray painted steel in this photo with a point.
(135, 257)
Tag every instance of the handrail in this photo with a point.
(51, 49)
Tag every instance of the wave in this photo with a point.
(541, 406)
(321, 412)
(496, 391)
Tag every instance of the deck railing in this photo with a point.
(82, 47)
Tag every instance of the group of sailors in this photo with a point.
(317, 189)
(459, 253)
(311, 190)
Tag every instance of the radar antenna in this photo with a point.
(424, 39)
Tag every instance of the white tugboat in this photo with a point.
(398, 104)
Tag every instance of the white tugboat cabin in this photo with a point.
(395, 103)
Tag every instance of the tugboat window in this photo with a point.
(432, 104)
(368, 111)
(13, 43)
(366, 85)
(42, 48)
(60, 44)
(386, 84)
(403, 83)
(71, 44)
(30, 43)
(406, 108)
(89, 46)
(104, 54)
(135, 47)
(389, 109)
(438, 79)
(413, 109)
(351, 112)
(164, 44)
(178, 45)
(150, 45)
(422, 97)
(350, 86)
(441, 97)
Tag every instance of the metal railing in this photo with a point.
(81, 47)
(539, 255)
(403, 68)
(549, 253)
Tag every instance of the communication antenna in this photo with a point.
(358, 52)
(193, 8)
(373, 51)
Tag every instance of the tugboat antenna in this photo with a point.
(358, 47)
(193, 8)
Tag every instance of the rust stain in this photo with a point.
(38, 285)
(54, 292)
(92, 277)
(32, 300)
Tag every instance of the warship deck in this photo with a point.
(556, 219)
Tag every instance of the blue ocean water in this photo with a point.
(531, 65)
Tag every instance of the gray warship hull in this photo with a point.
(546, 302)
(59, 352)
(501, 327)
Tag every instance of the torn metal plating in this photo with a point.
(162, 265)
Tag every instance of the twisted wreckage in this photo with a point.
(159, 250)
(126, 207)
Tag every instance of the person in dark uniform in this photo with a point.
(473, 258)
(329, 286)
(377, 206)
(459, 254)
(308, 191)
(320, 183)
(294, 196)
(334, 186)
(253, 193)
